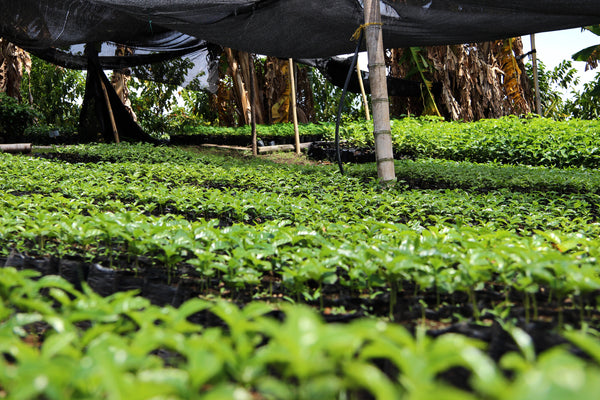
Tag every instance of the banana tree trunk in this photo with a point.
(13, 60)
(251, 83)
(238, 84)
(120, 80)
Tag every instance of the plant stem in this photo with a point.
(393, 297)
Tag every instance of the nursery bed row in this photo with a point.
(423, 173)
(508, 140)
(529, 140)
(500, 210)
(183, 168)
(205, 191)
(369, 258)
(59, 342)
(242, 136)
(336, 299)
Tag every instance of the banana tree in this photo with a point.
(423, 67)
(13, 60)
(591, 55)
(585, 104)
(470, 82)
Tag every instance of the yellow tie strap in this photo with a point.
(361, 28)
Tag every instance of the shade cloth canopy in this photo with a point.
(159, 30)
(283, 28)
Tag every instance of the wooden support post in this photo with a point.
(379, 95)
(252, 105)
(294, 111)
(109, 107)
(536, 79)
(362, 91)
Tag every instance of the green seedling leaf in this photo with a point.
(523, 341)
(371, 378)
(60, 343)
(586, 342)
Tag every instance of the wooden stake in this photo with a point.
(379, 94)
(252, 106)
(362, 91)
(294, 111)
(110, 111)
(536, 79)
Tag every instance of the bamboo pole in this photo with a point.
(252, 105)
(15, 148)
(294, 111)
(109, 107)
(363, 93)
(536, 79)
(379, 94)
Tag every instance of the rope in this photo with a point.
(361, 28)
(341, 105)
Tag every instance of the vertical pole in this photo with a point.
(109, 107)
(252, 106)
(294, 111)
(536, 79)
(379, 94)
(363, 93)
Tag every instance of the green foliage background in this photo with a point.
(55, 92)
(15, 118)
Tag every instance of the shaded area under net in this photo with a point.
(103, 116)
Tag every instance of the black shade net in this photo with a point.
(283, 28)
(162, 29)
(159, 30)
(335, 69)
